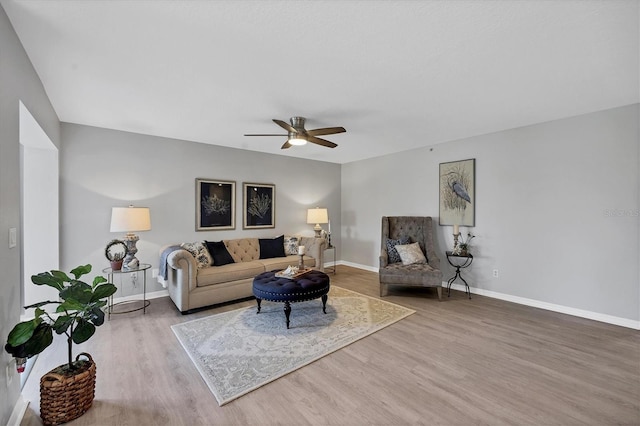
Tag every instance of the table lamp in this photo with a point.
(317, 216)
(130, 219)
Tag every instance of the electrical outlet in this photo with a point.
(154, 273)
(495, 273)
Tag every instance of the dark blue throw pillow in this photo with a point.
(392, 253)
(219, 253)
(272, 247)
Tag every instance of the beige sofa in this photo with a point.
(191, 287)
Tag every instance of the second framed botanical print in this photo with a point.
(259, 205)
(215, 205)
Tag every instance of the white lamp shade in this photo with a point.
(130, 219)
(317, 215)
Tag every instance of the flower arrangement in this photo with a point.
(464, 245)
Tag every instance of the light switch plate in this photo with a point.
(13, 237)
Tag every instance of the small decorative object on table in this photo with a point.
(292, 272)
(115, 252)
(301, 252)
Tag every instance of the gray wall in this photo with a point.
(556, 214)
(18, 82)
(102, 168)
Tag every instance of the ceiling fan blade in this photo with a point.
(286, 145)
(322, 142)
(264, 135)
(284, 125)
(326, 131)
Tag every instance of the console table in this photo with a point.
(140, 268)
(459, 261)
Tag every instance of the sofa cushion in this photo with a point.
(219, 253)
(200, 252)
(392, 253)
(271, 247)
(291, 245)
(410, 254)
(243, 249)
(229, 272)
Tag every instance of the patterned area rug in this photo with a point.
(239, 351)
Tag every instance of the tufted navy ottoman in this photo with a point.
(309, 286)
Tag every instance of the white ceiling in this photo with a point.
(396, 74)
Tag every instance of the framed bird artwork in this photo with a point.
(457, 193)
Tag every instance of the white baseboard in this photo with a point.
(18, 411)
(596, 316)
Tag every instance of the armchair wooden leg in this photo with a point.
(384, 290)
(439, 288)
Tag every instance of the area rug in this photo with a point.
(239, 351)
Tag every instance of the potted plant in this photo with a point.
(67, 391)
(115, 252)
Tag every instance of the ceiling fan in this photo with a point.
(298, 135)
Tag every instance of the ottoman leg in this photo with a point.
(287, 311)
(258, 300)
(324, 303)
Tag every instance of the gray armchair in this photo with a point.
(416, 229)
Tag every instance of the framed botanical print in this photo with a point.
(215, 205)
(259, 205)
(457, 193)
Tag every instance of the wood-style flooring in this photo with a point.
(454, 362)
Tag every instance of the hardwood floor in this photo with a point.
(454, 362)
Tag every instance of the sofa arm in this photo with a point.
(315, 248)
(181, 277)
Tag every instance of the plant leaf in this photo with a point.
(41, 339)
(99, 280)
(81, 270)
(78, 291)
(102, 291)
(70, 305)
(62, 323)
(61, 276)
(84, 330)
(45, 278)
(97, 316)
(22, 332)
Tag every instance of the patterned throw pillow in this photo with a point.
(291, 245)
(392, 253)
(200, 252)
(410, 254)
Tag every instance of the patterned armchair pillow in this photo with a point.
(200, 252)
(392, 253)
(411, 254)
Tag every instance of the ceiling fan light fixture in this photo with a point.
(297, 141)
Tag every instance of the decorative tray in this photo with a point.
(291, 275)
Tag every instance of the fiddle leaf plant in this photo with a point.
(77, 314)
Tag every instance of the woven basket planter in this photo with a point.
(65, 397)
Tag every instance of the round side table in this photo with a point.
(140, 268)
(459, 261)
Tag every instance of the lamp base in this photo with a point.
(318, 230)
(130, 260)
